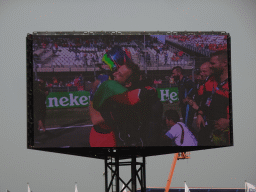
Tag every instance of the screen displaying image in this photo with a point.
(131, 91)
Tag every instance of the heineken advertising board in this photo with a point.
(82, 98)
(170, 94)
(68, 99)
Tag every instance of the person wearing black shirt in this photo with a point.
(216, 103)
(187, 90)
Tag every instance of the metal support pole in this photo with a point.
(133, 169)
(106, 174)
(117, 173)
(143, 175)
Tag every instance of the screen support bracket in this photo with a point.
(138, 172)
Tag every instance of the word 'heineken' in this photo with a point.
(166, 94)
(82, 98)
(66, 100)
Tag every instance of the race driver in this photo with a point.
(108, 105)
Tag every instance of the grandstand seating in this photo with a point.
(67, 57)
(199, 43)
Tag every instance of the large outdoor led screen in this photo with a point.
(144, 91)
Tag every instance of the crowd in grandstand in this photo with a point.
(78, 82)
(210, 42)
(78, 52)
(203, 44)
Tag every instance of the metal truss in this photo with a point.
(112, 164)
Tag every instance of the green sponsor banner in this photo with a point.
(68, 99)
(82, 98)
(170, 94)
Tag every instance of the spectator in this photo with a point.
(173, 57)
(216, 103)
(77, 55)
(204, 85)
(80, 87)
(148, 59)
(178, 131)
(93, 58)
(187, 89)
(177, 58)
(85, 59)
(180, 54)
(49, 85)
(56, 46)
(205, 71)
(81, 55)
(202, 45)
(89, 59)
(55, 82)
(157, 59)
(166, 58)
(68, 84)
(44, 45)
(61, 84)
(76, 81)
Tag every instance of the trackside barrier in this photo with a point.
(81, 98)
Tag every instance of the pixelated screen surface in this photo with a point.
(130, 92)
